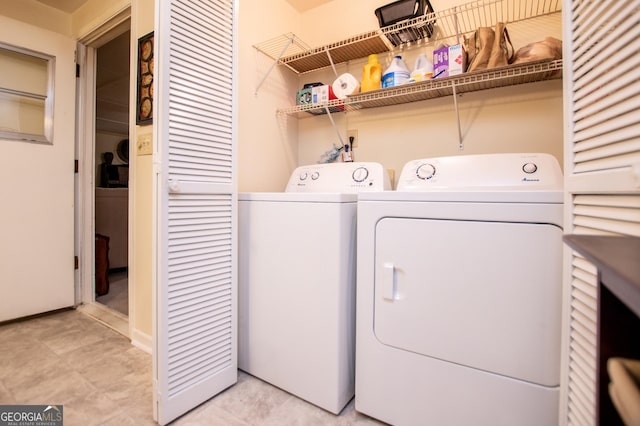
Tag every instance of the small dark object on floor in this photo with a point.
(102, 264)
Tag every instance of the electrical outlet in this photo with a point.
(353, 133)
(144, 146)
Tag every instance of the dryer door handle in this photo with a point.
(389, 281)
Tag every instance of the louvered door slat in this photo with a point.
(617, 103)
(606, 96)
(613, 35)
(622, 214)
(612, 138)
(622, 117)
(196, 204)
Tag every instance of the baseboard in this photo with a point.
(142, 341)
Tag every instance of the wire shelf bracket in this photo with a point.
(288, 44)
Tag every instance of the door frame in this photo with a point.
(86, 53)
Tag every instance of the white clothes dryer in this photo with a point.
(297, 281)
(459, 293)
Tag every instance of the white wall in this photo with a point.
(525, 118)
(267, 151)
(141, 243)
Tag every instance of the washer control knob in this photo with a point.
(360, 174)
(315, 175)
(529, 168)
(303, 176)
(425, 171)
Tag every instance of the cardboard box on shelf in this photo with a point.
(315, 95)
(449, 60)
(321, 94)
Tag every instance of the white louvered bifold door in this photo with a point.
(602, 169)
(195, 355)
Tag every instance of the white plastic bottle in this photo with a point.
(423, 69)
(396, 74)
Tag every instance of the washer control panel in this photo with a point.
(339, 177)
(485, 171)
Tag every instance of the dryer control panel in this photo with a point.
(486, 171)
(345, 178)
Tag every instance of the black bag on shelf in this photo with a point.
(403, 10)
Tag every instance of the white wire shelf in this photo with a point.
(290, 51)
(439, 87)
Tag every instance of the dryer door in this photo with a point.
(486, 295)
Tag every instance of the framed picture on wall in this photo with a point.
(144, 114)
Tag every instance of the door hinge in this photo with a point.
(76, 262)
(77, 70)
(76, 166)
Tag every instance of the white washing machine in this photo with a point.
(297, 281)
(459, 293)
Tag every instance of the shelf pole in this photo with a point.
(455, 103)
(333, 123)
(286, 46)
(455, 20)
(326, 49)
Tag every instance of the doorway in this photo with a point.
(112, 173)
(104, 82)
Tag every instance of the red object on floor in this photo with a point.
(102, 264)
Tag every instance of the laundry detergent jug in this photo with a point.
(423, 69)
(371, 74)
(397, 73)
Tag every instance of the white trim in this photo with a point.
(133, 164)
(102, 31)
(142, 341)
(86, 172)
(85, 145)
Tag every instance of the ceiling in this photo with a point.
(302, 5)
(68, 6)
(71, 6)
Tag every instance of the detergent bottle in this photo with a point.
(397, 73)
(371, 74)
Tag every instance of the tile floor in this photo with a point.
(101, 379)
(118, 296)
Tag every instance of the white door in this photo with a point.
(195, 336)
(37, 195)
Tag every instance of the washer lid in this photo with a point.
(486, 173)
